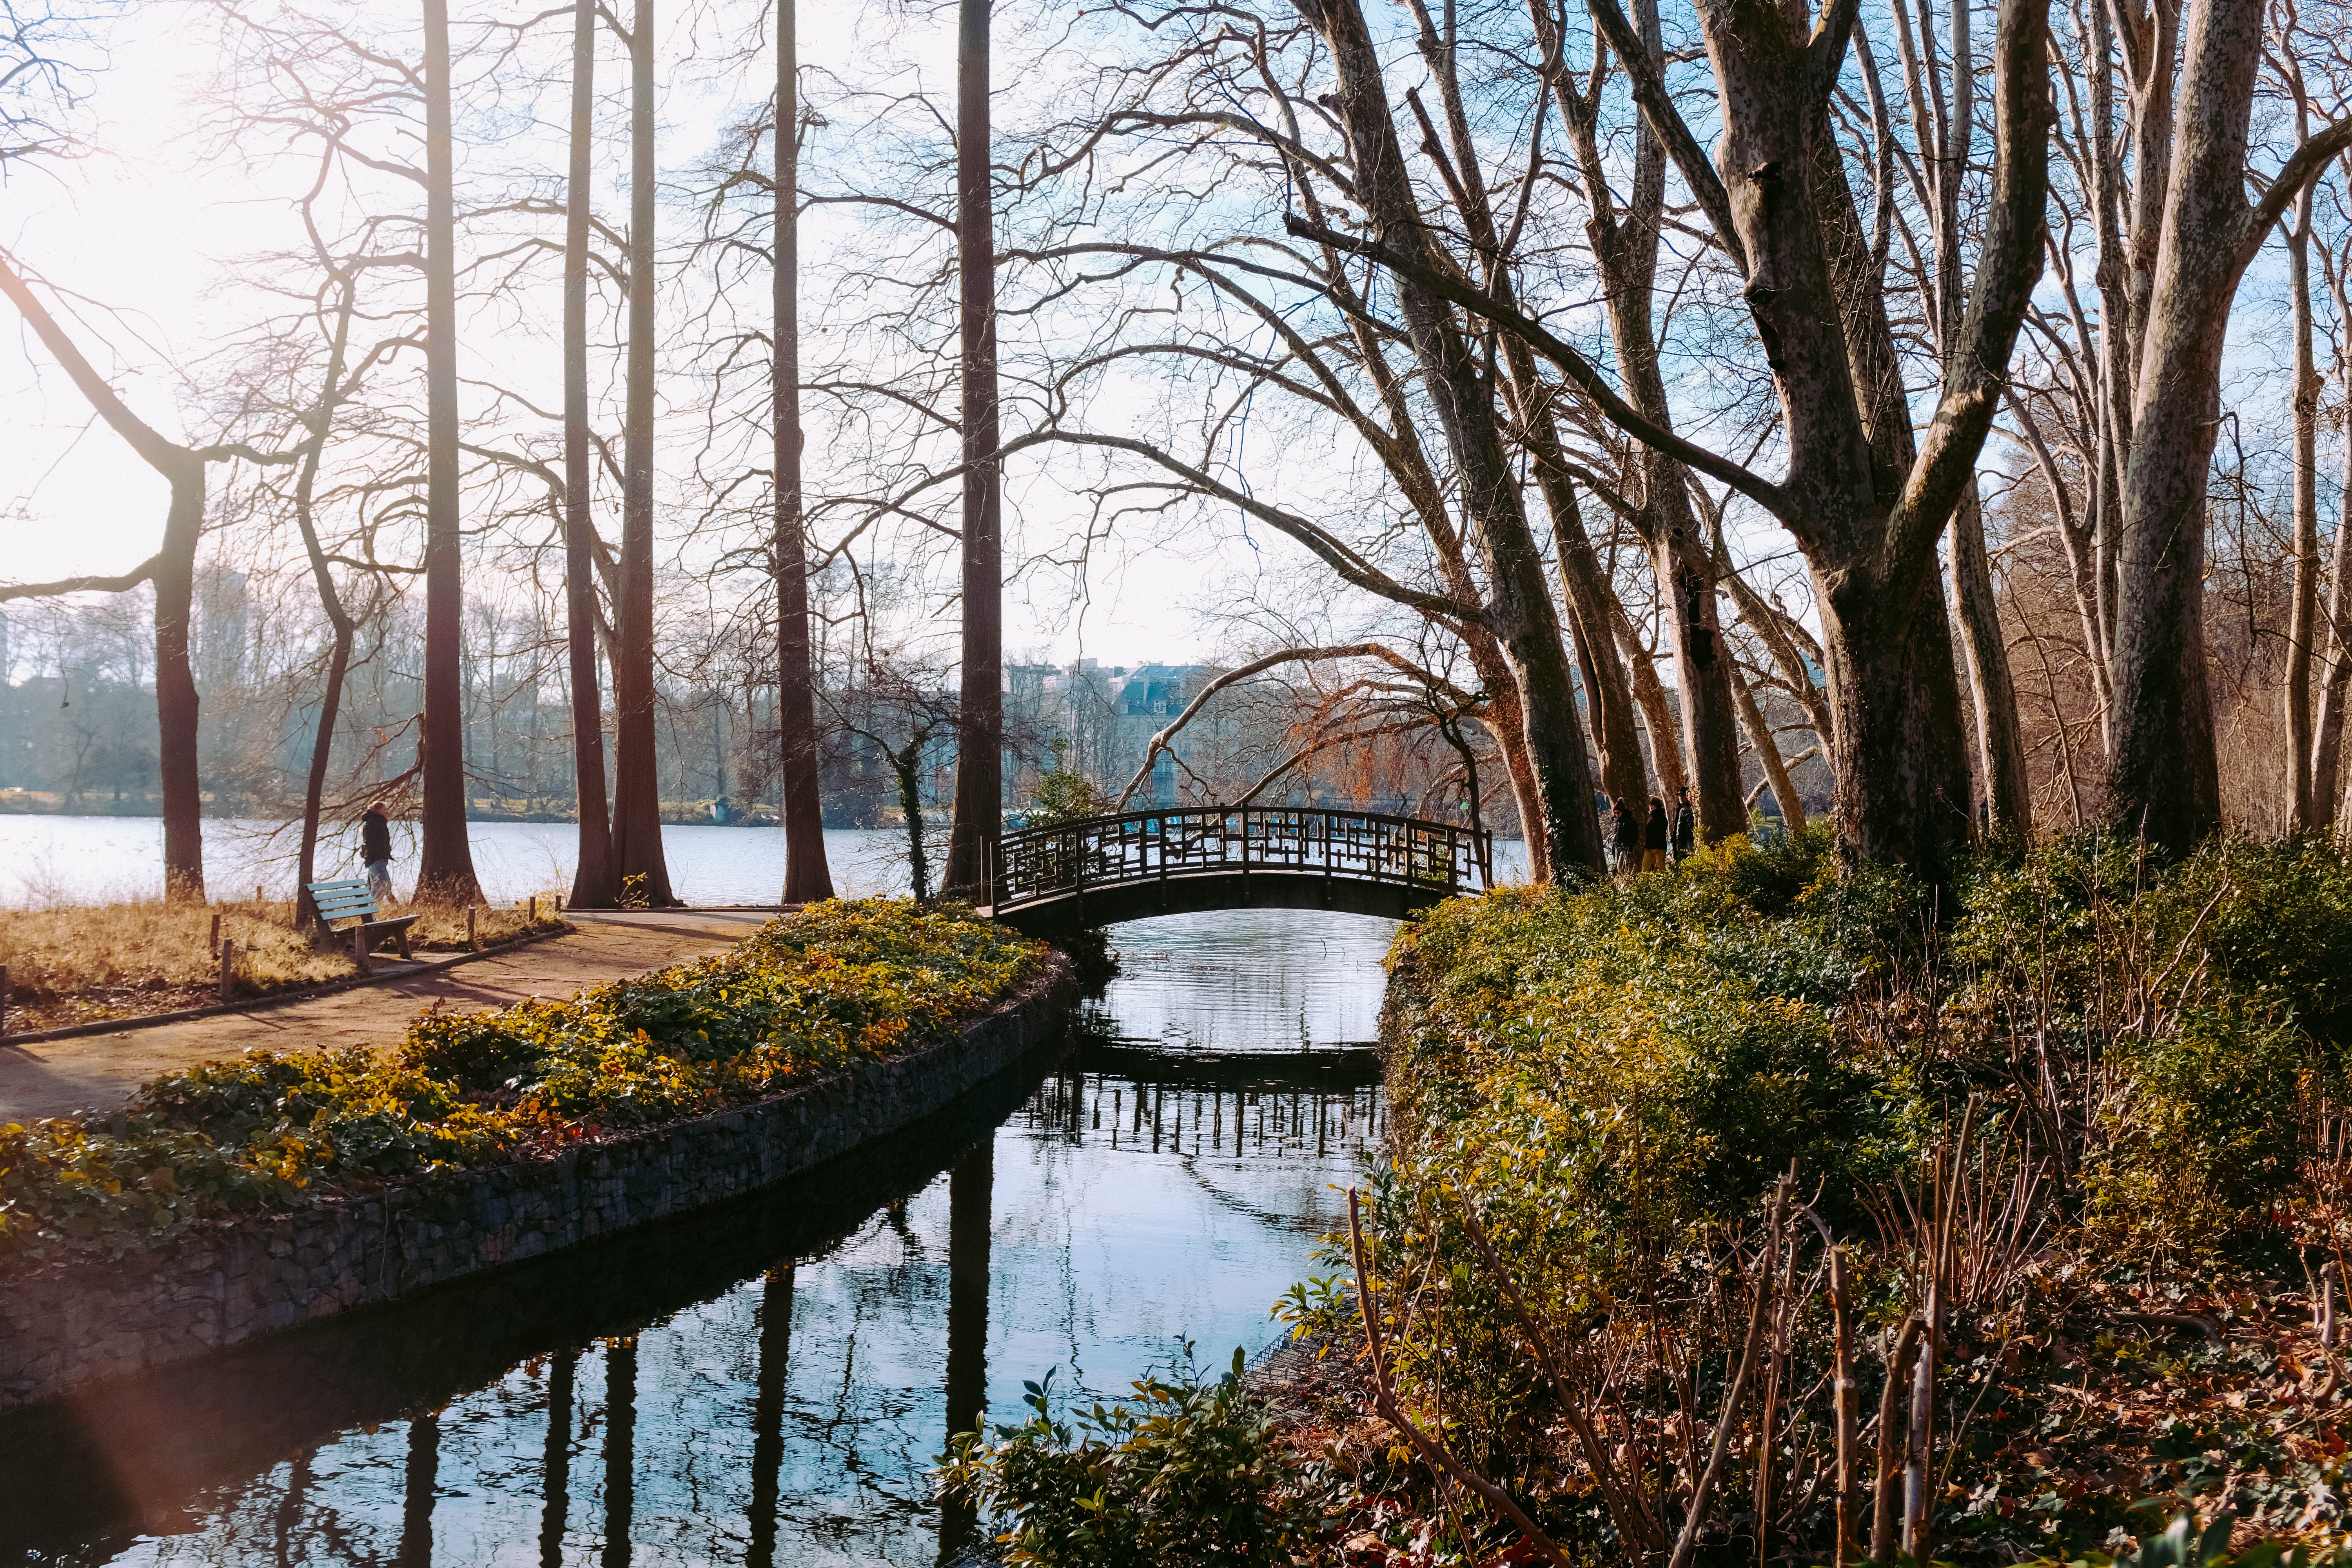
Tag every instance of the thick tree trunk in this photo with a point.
(1509, 730)
(1900, 762)
(593, 884)
(638, 856)
(172, 571)
(1519, 605)
(2164, 778)
(980, 762)
(2303, 630)
(807, 877)
(445, 863)
(2000, 747)
(175, 686)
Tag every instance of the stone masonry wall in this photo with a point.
(227, 1282)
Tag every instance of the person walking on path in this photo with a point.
(1625, 837)
(1685, 829)
(375, 852)
(1653, 838)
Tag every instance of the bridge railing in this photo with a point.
(1036, 863)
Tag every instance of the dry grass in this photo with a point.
(87, 963)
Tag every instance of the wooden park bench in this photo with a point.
(349, 899)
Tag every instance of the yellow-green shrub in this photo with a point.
(811, 993)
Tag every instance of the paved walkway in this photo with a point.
(58, 1078)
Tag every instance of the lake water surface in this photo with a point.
(768, 1383)
(99, 859)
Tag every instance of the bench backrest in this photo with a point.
(336, 901)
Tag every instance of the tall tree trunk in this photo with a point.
(1509, 730)
(176, 687)
(807, 877)
(2164, 777)
(338, 659)
(1519, 605)
(2328, 743)
(445, 863)
(1608, 694)
(637, 782)
(979, 785)
(2000, 746)
(1625, 245)
(173, 572)
(1657, 713)
(1767, 747)
(2302, 630)
(593, 884)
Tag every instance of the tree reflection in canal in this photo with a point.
(769, 1383)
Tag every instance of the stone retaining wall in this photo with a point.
(227, 1282)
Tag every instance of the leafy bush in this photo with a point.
(1190, 1473)
(1609, 1080)
(811, 994)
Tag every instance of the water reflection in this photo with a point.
(770, 1383)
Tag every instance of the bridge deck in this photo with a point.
(1103, 871)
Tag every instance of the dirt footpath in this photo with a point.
(58, 1078)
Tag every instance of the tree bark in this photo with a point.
(2164, 775)
(1520, 606)
(2328, 743)
(1608, 691)
(638, 856)
(2303, 627)
(979, 762)
(2000, 747)
(807, 877)
(173, 572)
(445, 861)
(593, 884)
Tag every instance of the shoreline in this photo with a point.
(75, 1322)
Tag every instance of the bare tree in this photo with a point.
(595, 884)
(807, 877)
(980, 784)
(2163, 777)
(638, 858)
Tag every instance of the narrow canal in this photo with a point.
(769, 1385)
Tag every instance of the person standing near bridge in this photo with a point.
(1625, 837)
(1653, 838)
(375, 851)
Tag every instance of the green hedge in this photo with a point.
(810, 995)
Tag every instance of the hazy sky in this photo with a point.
(140, 231)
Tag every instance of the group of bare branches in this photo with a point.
(1627, 398)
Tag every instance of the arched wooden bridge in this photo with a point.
(1104, 869)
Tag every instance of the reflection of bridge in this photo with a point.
(1105, 869)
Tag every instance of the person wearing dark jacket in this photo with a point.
(1686, 827)
(1625, 837)
(1653, 838)
(375, 852)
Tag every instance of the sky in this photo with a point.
(139, 236)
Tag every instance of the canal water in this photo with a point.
(770, 1383)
